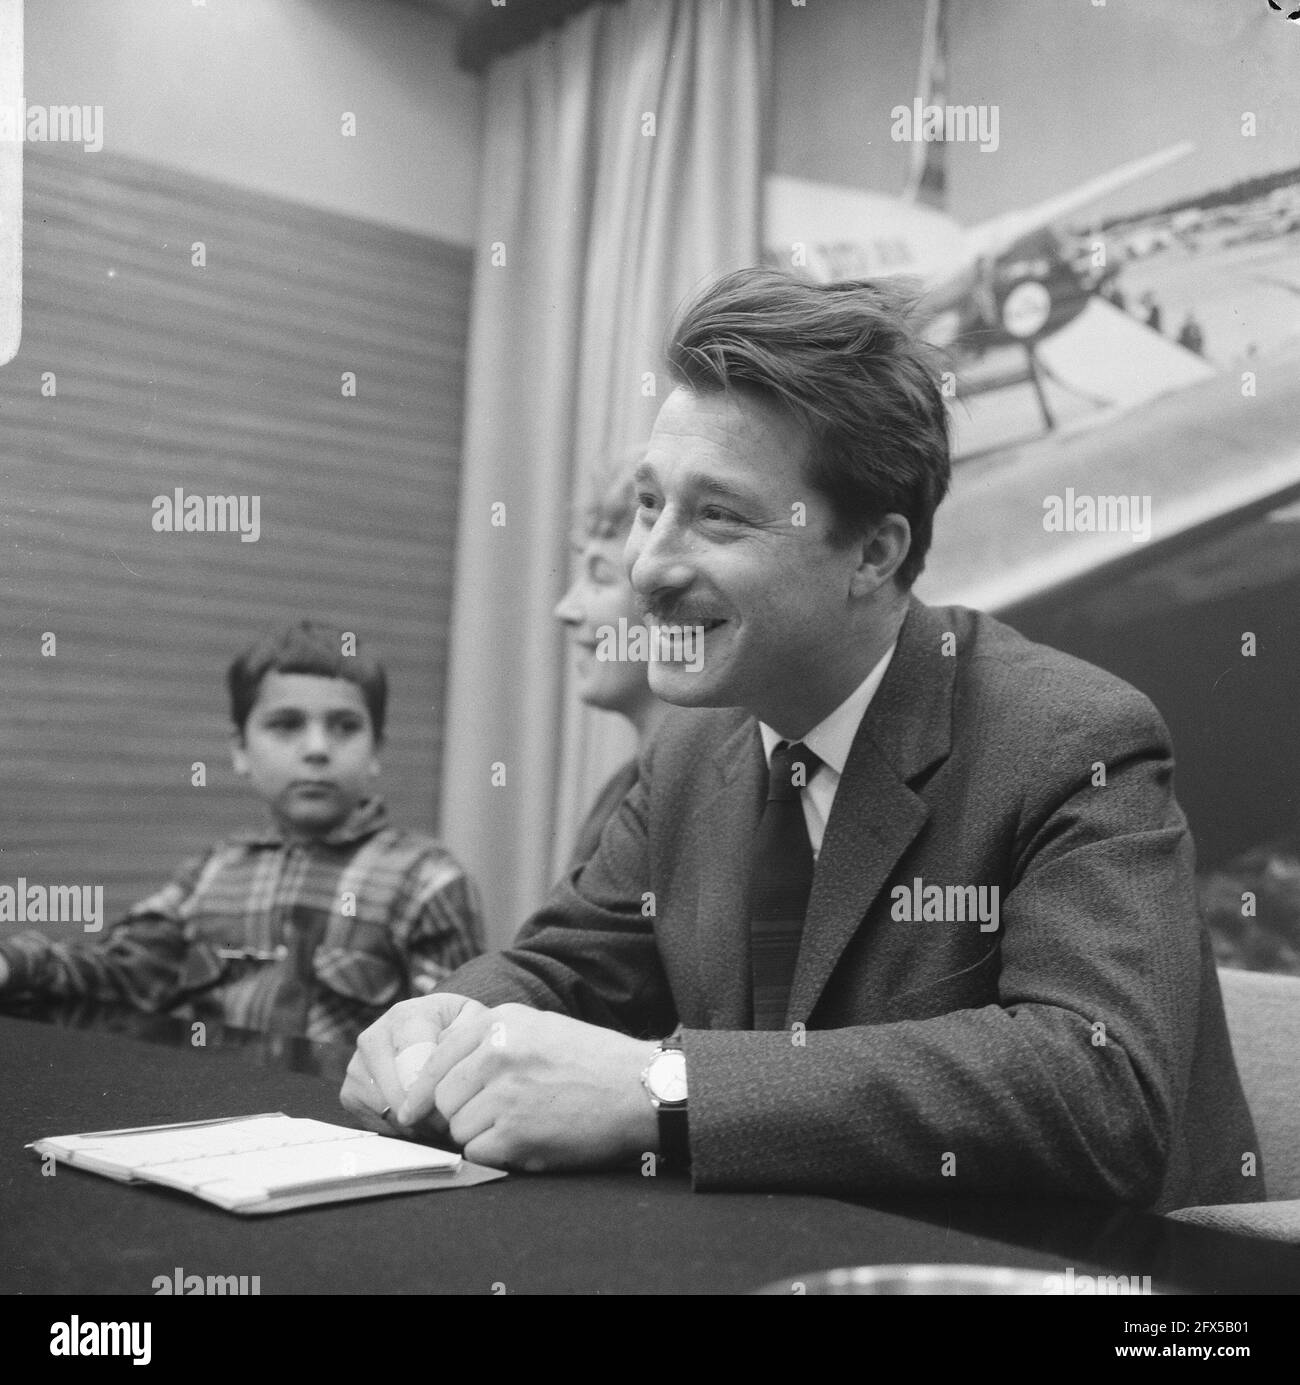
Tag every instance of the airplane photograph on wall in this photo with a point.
(1087, 309)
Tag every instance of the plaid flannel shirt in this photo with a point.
(313, 938)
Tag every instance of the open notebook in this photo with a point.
(265, 1163)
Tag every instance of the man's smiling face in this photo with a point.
(729, 535)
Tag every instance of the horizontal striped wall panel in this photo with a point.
(221, 379)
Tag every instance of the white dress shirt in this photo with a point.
(831, 740)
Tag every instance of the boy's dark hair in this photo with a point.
(846, 363)
(308, 647)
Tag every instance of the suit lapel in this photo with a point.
(724, 827)
(876, 816)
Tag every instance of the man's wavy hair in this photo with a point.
(307, 647)
(846, 363)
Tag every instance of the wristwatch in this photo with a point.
(664, 1079)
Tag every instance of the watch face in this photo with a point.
(667, 1076)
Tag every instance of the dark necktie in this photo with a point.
(780, 883)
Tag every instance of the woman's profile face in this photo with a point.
(599, 598)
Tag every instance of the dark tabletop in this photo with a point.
(76, 1233)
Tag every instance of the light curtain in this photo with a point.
(622, 162)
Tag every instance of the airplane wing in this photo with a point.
(991, 238)
(831, 232)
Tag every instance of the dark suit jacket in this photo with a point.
(1078, 1050)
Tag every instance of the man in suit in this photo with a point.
(993, 979)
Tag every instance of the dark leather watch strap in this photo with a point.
(674, 1131)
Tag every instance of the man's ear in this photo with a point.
(881, 552)
(238, 755)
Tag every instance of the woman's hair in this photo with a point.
(611, 498)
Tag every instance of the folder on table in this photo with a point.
(265, 1163)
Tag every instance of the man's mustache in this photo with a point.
(676, 613)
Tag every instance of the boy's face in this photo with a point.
(308, 749)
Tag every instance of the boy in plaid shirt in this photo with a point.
(314, 925)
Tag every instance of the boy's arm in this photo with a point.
(439, 925)
(138, 962)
